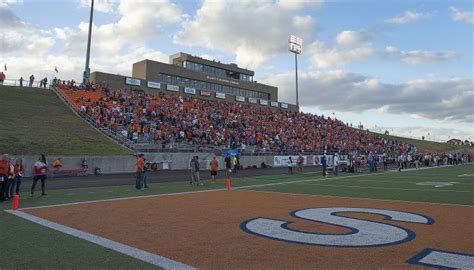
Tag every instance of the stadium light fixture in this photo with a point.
(87, 71)
(295, 45)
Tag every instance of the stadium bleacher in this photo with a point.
(170, 119)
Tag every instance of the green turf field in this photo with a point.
(35, 121)
(27, 245)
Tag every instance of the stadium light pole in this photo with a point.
(85, 78)
(295, 45)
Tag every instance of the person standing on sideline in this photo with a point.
(18, 175)
(21, 81)
(146, 168)
(4, 169)
(299, 164)
(324, 162)
(195, 178)
(139, 168)
(214, 167)
(228, 166)
(235, 163)
(290, 165)
(40, 170)
(335, 161)
(2, 77)
(32, 79)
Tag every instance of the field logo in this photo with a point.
(436, 184)
(363, 233)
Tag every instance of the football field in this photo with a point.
(411, 219)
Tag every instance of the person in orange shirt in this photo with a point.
(139, 168)
(214, 167)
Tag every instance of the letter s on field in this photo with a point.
(363, 233)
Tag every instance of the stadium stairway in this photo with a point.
(124, 142)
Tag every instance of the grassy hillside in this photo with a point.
(428, 146)
(35, 121)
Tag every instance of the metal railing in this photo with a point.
(26, 83)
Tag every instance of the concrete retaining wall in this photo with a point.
(126, 164)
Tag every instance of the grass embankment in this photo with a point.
(35, 121)
(428, 146)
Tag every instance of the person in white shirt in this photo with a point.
(290, 165)
(335, 162)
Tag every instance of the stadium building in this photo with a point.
(191, 75)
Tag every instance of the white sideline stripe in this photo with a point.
(355, 198)
(221, 189)
(389, 188)
(136, 253)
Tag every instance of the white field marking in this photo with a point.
(404, 182)
(466, 175)
(221, 189)
(136, 253)
(436, 184)
(389, 188)
(355, 198)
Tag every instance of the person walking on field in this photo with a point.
(214, 167)
(139, 168)
(4, 170)
(40, 170)
(290, 165)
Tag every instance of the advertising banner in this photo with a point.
(205, 93)
(171, 87)
(220, 95)
(284, 105)
(239, 98)
(264, 102)
(252, 100)
(279, 161)
(274, 104)
(190, 90)
(156, 85)
(132, 81)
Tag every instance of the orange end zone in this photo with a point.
(222, 229)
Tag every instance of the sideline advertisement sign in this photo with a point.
(156, 85)
(274, 104)
(171, 87)
(252, 100)
(132, 81)
(284, 105)
(280, 161)
(264, 102)
(190, 90)
(220, 95)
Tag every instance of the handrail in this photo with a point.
(9, 82)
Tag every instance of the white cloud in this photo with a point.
(462, 16)
(441, 99)
(429, 133)
(408, 17)
(350, 46)
(28, 49)
(105, 6)
(417, 57)
(5, 3)
(253, 31)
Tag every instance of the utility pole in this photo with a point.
(87, 71)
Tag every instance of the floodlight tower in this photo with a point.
(295, 45)
(87, 72)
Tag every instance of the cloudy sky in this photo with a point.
(402, 66)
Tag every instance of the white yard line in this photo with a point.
(392, 188)
(136, 253)
(355, 198)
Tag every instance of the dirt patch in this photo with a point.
(203, 229)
